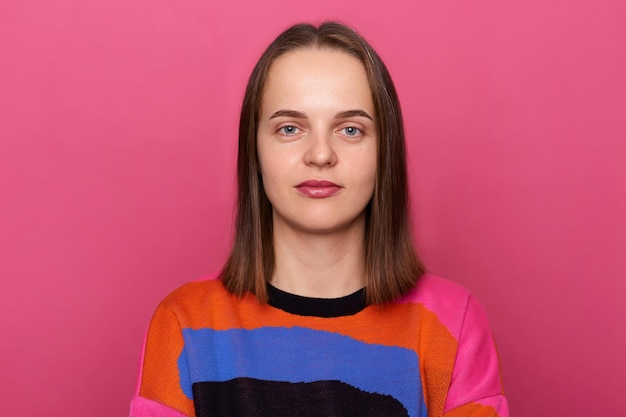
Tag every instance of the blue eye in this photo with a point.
(288, 130)
(351, 131)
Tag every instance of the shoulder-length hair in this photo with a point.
(392, 265)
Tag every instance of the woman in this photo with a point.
(322, 308)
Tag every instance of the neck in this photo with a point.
(322, 265)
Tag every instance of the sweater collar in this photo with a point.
(317, 307)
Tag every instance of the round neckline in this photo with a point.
(317, 307)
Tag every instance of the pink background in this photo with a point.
(117, 147)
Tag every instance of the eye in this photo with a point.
(351, 131)
(288, 130)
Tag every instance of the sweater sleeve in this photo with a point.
(159, 391)
(476, 384)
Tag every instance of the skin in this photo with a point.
(317, 122)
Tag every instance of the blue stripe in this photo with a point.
(301, 355)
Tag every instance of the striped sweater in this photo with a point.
(210, 353)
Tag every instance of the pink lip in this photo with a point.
(318, 189)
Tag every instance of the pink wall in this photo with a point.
(117, 147)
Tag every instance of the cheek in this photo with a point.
(270, 176)
(369, 164)
(266, 175)
(263, 158)
(364, 179)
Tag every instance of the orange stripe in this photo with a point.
(473, 410)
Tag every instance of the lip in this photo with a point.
(318, 188)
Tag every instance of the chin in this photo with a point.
(326, 226)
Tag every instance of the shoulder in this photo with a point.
(453, 304)
(192, 292)
(189, 303)
(437, 294)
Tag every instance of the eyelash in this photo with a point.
(356, 131)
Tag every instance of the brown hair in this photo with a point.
(392, 265)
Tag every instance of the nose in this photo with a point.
(320, 151)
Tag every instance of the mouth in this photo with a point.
(318, 188)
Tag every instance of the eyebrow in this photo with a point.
(352, 113)
(288, 113)
(341, 115)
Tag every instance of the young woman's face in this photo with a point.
(317, 140)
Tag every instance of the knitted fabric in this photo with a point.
(210, 353)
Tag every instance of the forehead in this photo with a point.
(306, 75)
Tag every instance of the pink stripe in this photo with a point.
(476, 371)
(444, 298)
(141, 407)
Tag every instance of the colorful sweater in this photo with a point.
(210, 353)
